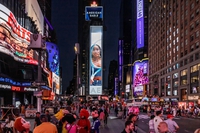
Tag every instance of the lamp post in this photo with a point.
(77, 51)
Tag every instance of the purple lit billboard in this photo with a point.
(120, 58)
(140, 24)
(140, 70)
(96, 60)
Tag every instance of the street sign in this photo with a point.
(38, 83)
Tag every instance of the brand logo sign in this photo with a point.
(5, 86)
(140, 24)
(93, 13)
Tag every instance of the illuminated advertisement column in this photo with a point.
(140, 78)
(96, 59)
(140, 24)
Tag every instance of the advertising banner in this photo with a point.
(96, 59)
(140, 24)
(14, 39)
(53, 57)
(33, 10)
(93, 13)
(55, 83)
(140, 78)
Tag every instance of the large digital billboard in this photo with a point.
(93, 13)
(53, 57)
(14, 39)
(140, 71)
(140, 24)
(96, 59)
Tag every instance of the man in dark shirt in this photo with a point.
(128, 127)
(37, 120)
(48, 115)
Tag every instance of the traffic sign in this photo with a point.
(38, 83)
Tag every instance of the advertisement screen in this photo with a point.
(53, 57)
(96, 59)
(93, 13)
(140, 24)
(14, 39)
(55, 84)
(140, 70)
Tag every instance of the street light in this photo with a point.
(77, 51)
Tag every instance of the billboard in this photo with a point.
(55, 84)
(14, 39)
(96, 60)
(53, 57)
(140, 24)
(93, 13)
(33, 10)
(140, 71)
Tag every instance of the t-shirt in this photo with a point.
(45, 127)
(37, 120)
(95, 126)
(171, 125)
(157, 121)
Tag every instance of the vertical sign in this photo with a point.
(140, 24)
(96, 59)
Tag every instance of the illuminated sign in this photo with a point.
(14, 39)
(55, 83)
(140, 24)
(128, 88)
(15, 88)
(12, 82)
(96, 59)
(53, 57)
(93, 13)
(5, 86)
(140, 70)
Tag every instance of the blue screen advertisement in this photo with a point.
(93, 13)
(96, 59)
(140, 24)
(53, 57)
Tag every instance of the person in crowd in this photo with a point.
(48, 115)
(37, 119)
(162, 127)
(9, 123)
(151, 124)
(129, 126)
(106, 116)
(69, 125)
(172, 125)
(45, 126)
(95, 122)
(157, 120)
(21, 125)
(84, 123)
(133, 118)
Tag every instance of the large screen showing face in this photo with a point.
(14, 39)
(96, 59)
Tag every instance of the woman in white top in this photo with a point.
(151, 124)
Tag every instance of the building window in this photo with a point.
(191, 38)
(184, 82)
(194, 68)
(194, 79)
(197, 34)
(197, 11)
(197, 44)
(191, 58)
(175, 75)
(194, 89)
(185, 61)
(196, 56)
(191, 48)
(175, 92)
(184, 72)
(197, 22)
(192, 6)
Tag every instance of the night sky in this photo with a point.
(65, 22)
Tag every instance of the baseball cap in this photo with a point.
(169, 116)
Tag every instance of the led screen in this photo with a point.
(140, 70)
(140, 24)
(53, 57)
(14, 39)
(93, 13)
(96, 59)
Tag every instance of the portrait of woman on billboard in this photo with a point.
(95, 76)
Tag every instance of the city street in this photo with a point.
(116, 125)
